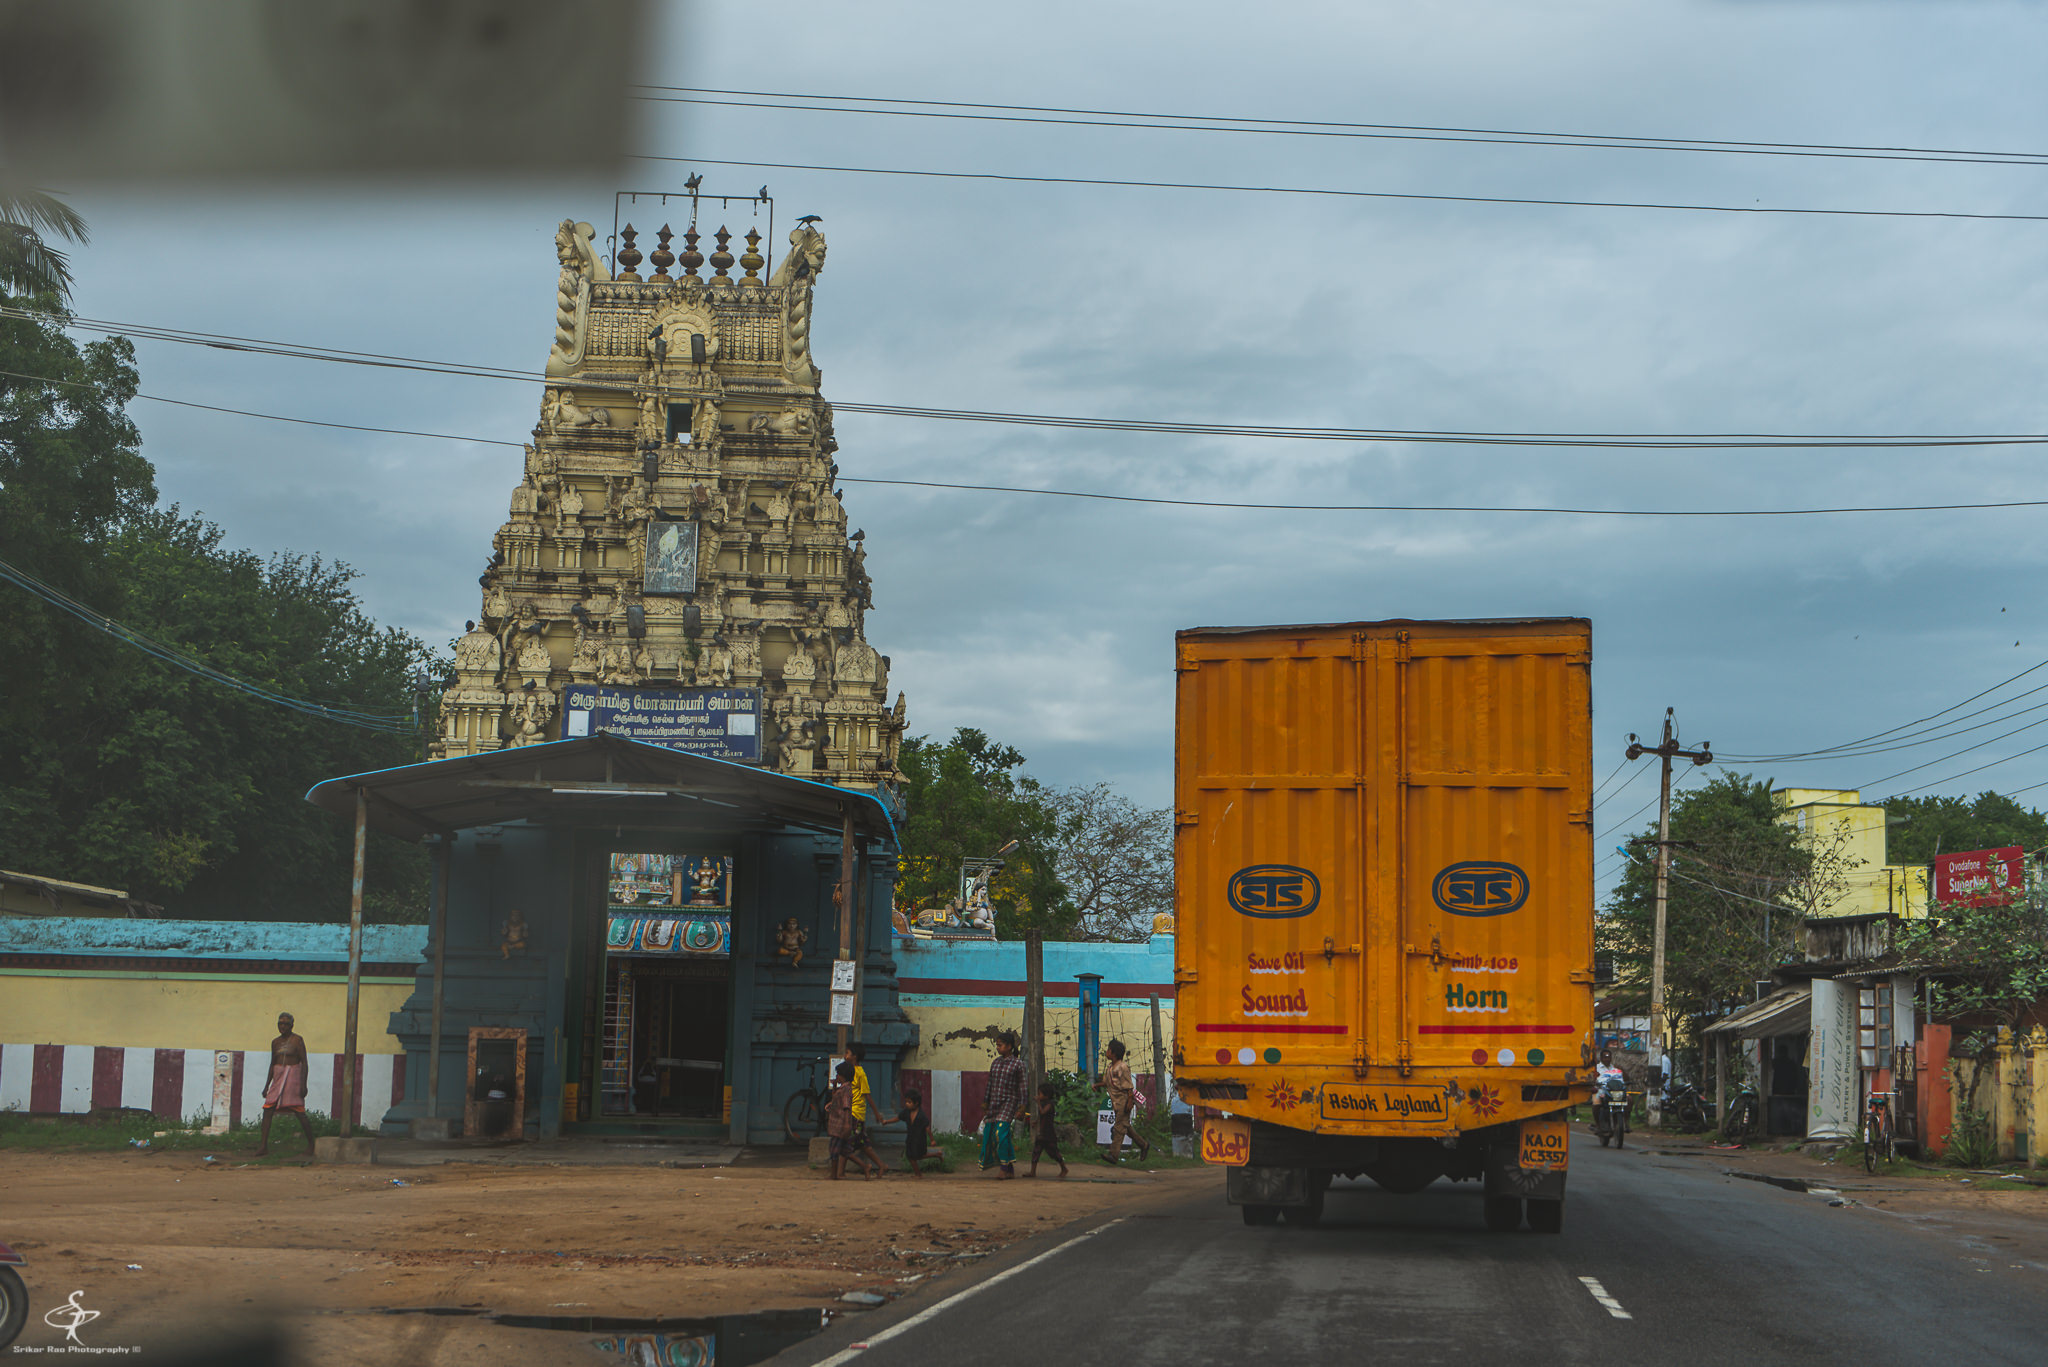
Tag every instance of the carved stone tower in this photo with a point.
(676, 529)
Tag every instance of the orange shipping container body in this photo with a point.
(1384, 874)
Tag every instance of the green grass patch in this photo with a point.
(128, 1131)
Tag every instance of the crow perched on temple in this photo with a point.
(808, 219)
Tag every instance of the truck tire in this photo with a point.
(1260, 1215)
(1504, 1213)
(1310, 1215)
(1546, 1217)
(13, 1305)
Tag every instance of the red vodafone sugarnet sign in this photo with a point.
(1979, 878)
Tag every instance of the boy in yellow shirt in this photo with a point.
(859, 1145)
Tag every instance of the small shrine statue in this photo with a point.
(789, 942)
(704, 884)
(515, 934)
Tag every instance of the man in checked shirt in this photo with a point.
(1004, 1102)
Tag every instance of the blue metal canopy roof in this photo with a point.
(600, 780)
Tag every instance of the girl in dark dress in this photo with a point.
(917, 1131)
(1045, 1138)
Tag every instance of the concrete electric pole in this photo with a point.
(1667, 752)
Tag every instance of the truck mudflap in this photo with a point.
(1263, 1186)
(1529, 1161)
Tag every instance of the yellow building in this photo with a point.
(1837, 822)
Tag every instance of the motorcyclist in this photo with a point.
(1608, 1078)
(1610, 1098)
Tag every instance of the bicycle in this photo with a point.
(1877, 1130)
(803, 1114)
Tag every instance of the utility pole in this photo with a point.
(1667, 752)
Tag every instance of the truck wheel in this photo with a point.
(1310, 1215)
(1504, 1213)
(13, 1305)
(1260, 1215)
(1546, 1217)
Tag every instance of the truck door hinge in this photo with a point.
(1186, 817)
(1331, 949)
(1405, 1058)
(1359, 1058)
(1582, 975)
(1186, 975)
(1580, 818)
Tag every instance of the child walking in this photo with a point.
(1045, 1136)
(917, 1131)
(839, 1119)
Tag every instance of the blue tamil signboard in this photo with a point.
(724, 723)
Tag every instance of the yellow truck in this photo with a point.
(1383, 885)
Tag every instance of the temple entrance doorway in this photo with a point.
(666, 1044)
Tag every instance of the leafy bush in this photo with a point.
(1970, 1143)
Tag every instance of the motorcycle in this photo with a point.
(1610, 1113)
(1687, 1109)
(13, 1296)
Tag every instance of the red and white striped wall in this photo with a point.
(954, 1097)
(177, 1084)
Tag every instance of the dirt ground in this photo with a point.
(168, 1247)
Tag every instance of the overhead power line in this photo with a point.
(1913, 740)
(1903, 726)
(170, 655)
(1325, 192)
(1058, 116)
(1908, 792)
(1955, 754)
(1449, 507)
(1142, 499)
(1630, 441)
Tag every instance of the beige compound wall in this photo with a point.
(192, 1011)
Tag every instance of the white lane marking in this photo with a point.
(1592, 1284)
(853, 1351)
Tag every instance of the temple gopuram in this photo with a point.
(676, 565)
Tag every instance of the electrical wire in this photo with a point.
(1931, 737)
(1908, 792)
(1610, 778)
(396, 724)
(1588, 440)
(1136, 498)
(1222, 123)
(1850, 745)
(1730, 892)
(1676, 784)
(1324, 192)
(1599, 802)
(1443, 507)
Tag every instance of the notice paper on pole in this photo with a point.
(842, 975)
(842, 1008)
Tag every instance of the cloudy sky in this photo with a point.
(1049, 622)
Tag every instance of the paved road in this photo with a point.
(1709, 1269)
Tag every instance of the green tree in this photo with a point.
(122, 769)
(1986, 966)
(966, 799)
(1741, 878)
(1919, 828)
(29, 265)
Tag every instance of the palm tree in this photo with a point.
(28, 264)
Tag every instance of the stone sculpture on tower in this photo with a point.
(675, 542)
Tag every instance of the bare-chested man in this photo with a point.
(285, 1090)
